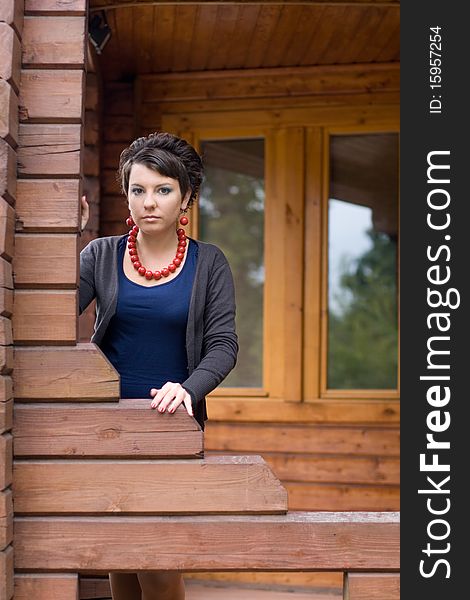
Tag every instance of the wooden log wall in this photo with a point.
(11, 28)
(48, 364)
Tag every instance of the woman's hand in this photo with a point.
(170, 396)
(85, 213)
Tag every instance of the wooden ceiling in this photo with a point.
(162, 37)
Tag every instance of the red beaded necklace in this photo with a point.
(171, 268)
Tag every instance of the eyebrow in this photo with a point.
(158, 184)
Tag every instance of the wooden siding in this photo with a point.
(11, 27)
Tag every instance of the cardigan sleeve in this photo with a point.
(87, 290)
(220, 341)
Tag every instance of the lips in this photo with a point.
(153, 218)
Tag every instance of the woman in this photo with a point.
(165, 309)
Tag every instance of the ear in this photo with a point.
(184, 202)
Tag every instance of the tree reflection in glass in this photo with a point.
(362, 262)
(231, 215)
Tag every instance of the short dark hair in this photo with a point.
(167, 154)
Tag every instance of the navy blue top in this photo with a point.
(146, 337)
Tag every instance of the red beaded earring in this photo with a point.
(130, 222)
(184, 220)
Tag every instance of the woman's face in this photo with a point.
(154, 200)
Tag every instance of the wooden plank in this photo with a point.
(6, 573)
(6, 337)
(372, 586)
(118, 128)
(318, 468)
(141, 487)
(114, 208)
(313, 439)
(7, 172)
(318, 496)
(259, 44)
(48, 96)
(79, 373)
(91, 161)
(6, 389)
(56, 586)
(128, 429)
(334, 116)
(6, 518)
(49, 150)
(7, 234)
(60, 208)
(6, 360)
(56, 7)
(6, 302)
(295, 541)
(6, 274)
(54, 42)
(91, 128)
(12, 13)
(312, 266)
(110, 186)
(10, 56)
(245, 27)
(271, 82)
(293, 229)
(33, 253)
(92, 91)
(8, 113)
(357, 411)
(45, 317)
(150, 113)
(6, 415)
(111, 154)
(6, 460)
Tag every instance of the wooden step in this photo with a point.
(127, 429)
(214, 485)
(297, 541)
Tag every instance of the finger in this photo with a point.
(169, 397)
(163, 390)
(188, 404)
(161, 399)
(179, 398)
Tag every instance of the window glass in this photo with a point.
(362, 262)
(231, 215)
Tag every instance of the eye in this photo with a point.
(165, 190)
(136, 191)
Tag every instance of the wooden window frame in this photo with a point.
(293, 395)
(321, 384)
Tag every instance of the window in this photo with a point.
(362, 307)
(231, 215)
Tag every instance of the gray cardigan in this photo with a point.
(211, 340)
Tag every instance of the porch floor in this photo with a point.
(202, 590)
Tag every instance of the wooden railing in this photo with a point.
(113, 486)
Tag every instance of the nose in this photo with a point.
(149, 200)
